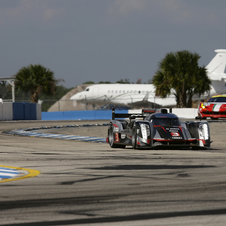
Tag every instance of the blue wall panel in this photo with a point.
(52, 115)
(24, 111)
(27, 111)
(18, 111)
(77, 115)
(33, 111)
(103, 114)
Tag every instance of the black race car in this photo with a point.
(156, 128)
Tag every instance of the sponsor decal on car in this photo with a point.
(173, 134)
(116, 137)
(176, 135)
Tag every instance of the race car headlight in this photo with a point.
(203, 106)
(145, 130)
(204, 131)
(116, 129)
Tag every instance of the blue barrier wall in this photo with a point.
(33, 111)
(27, 111)
(18, 111)
(80, 115)
(24, 111)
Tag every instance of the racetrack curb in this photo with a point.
(12, 173)
(32, 132)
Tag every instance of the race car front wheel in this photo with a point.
(111, 137)
(134, 139)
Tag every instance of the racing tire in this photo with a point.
(111, 138)
(134, 139)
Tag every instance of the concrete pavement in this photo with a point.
(91, 184)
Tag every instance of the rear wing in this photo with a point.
(145, 112)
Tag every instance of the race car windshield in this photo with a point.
(217, 99)
(166, 121)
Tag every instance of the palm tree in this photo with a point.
(180, 74)
(35, 79)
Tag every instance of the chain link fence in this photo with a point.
(54, 105)
(64, 105)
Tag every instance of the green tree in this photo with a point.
(125, 81)
(35, 79)
(180, 74)
(89, 82)
(104, 82)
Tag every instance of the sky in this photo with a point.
(106, 40)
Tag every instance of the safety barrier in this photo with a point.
(32, 111)
(77, 115)
(20, 111)
(107, 114)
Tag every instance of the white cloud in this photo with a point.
(188, 12)
(125, 7)
(176, 12)
(28, 11)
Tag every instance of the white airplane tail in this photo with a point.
(216, 67)
(216, 72)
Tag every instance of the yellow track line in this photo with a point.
(31, 173)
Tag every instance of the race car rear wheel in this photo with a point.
(111, 138)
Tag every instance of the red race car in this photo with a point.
(214, 108)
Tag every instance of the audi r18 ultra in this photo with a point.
(159, 129)
(214, 108)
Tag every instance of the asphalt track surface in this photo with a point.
(86, 183)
